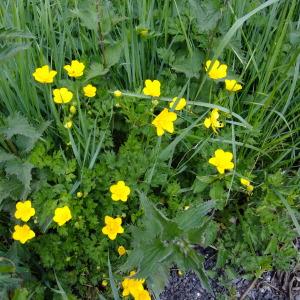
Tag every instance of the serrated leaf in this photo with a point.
(112, 54)
(96, 70)
(22, 170)
(88, 17)
(168, 228)
(193, 217)
(4, 157)
(189, 65)
(207, 13)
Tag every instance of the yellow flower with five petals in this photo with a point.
(212, 121)
(23, 233)
(89, 91)
(75, 69)
(62, 215)
(62, 95)
(112, 227)
(215, 69)
(164, 122)
(44, 74)
(222, 161)
(152, 88)
(119, 191)
(24, 211)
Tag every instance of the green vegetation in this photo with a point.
(177, 198)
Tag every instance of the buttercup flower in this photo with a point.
(44, 74)
(62, 95)
(68, 125)
(121, 250)
(132, 286)
(180, 104)
(119, 191)
(212, 121)
(62, 215)
(23, 233)
(164, 122)
(217, 70)
(152, 88)
(75, 69)
(232, 85)
(118, 93)
(222, 161)
(89, 91)
(113, 227)
(24, 211)
(142, 295)
(247, 184)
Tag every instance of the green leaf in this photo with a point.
(168, 228)
(193, 217)
(207, 13)
(189, 65)
(88, 17)
(112, 54)
(21, 294)
(96, 70)
(22, 171)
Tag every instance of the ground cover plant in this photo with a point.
(134, 132)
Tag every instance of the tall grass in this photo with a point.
(262, 46)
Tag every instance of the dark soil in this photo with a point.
(271, 286)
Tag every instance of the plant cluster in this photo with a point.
(152, 147)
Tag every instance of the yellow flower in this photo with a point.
(247, 184)
(132, 286)
(142, 295)
(73, 109)
(24, 211)
(68, 125)
(164, 122)
(232, 85)
(180, 104)
(118, 93)
(222, 161)
(121, 250)
(217, 70)
(113, 227)
(79, 194)
(89, 91)
(152, 88)
(62, 95)
(212, 121)
(75, 69)
(119, 191)
(44, 74)
(23, 233)
(62, 215)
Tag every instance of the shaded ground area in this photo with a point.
(272, 286)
